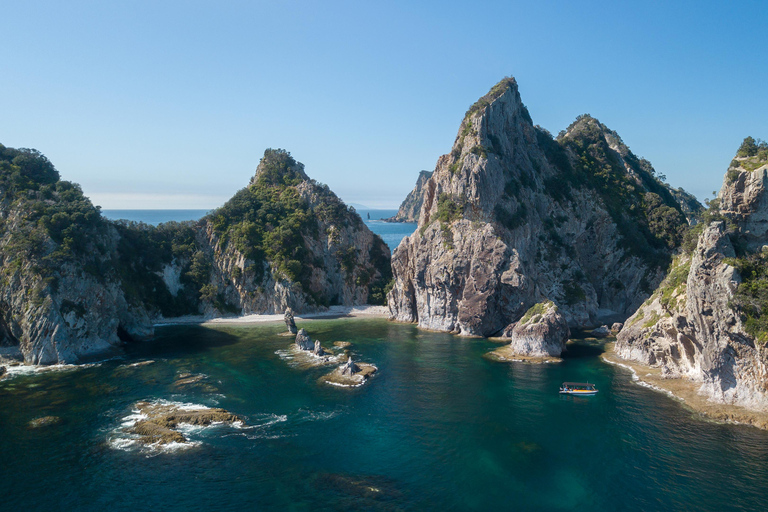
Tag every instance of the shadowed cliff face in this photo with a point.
(512, 217)
(705, 321)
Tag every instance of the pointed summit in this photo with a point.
(277, 167)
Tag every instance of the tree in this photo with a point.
(748, 147)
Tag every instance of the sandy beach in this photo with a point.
(687, 392)
(332, 312)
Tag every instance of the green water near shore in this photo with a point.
(439, 427)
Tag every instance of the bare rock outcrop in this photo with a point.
(350, 374)
(303, 341)
(693, 326)
(542, 331)
(512, 217)
(290, 323)
(161, 422)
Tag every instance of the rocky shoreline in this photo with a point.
(687, 392)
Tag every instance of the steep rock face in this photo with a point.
(512, 217)
(542, 332)
(61, 295)
(411, 207)
(690, 328)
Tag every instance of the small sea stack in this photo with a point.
(304, 342)
(290, 323)
(539, 336)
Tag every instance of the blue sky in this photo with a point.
(167, 104)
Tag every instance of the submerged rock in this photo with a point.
(543, 331)
(162, 420)
(45, 421)
(289, 321)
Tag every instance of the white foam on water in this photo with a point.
(32, 369)
(337, 384)
(642, 383)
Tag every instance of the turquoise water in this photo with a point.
(392, 233)
(439, 427)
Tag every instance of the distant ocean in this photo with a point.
(391, 232)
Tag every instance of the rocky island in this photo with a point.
(539, 336)
(349, 374)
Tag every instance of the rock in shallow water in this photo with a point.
(290, 323)
(162, 420)
(543, 331)
(303, 341)
(45, 421)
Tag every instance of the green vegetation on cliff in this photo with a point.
(53, 224)
(271, 222)
(751, 298)
(751, 155)
(647, 215)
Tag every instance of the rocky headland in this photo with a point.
(410, 208)
(75, 285)
(704, 323)
(512, 217)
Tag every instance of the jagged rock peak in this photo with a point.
(277, 166)
(512, 217)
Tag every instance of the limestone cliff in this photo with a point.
(512, 217)
(705, 322)
(411, 207)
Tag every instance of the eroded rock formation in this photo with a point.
(512, 217)
(701, 324)
(542, 331)
(76, 285)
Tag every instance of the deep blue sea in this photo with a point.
(391, 232)
(439, 427)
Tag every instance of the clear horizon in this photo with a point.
(170, 105)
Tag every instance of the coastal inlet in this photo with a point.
(439, 427)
